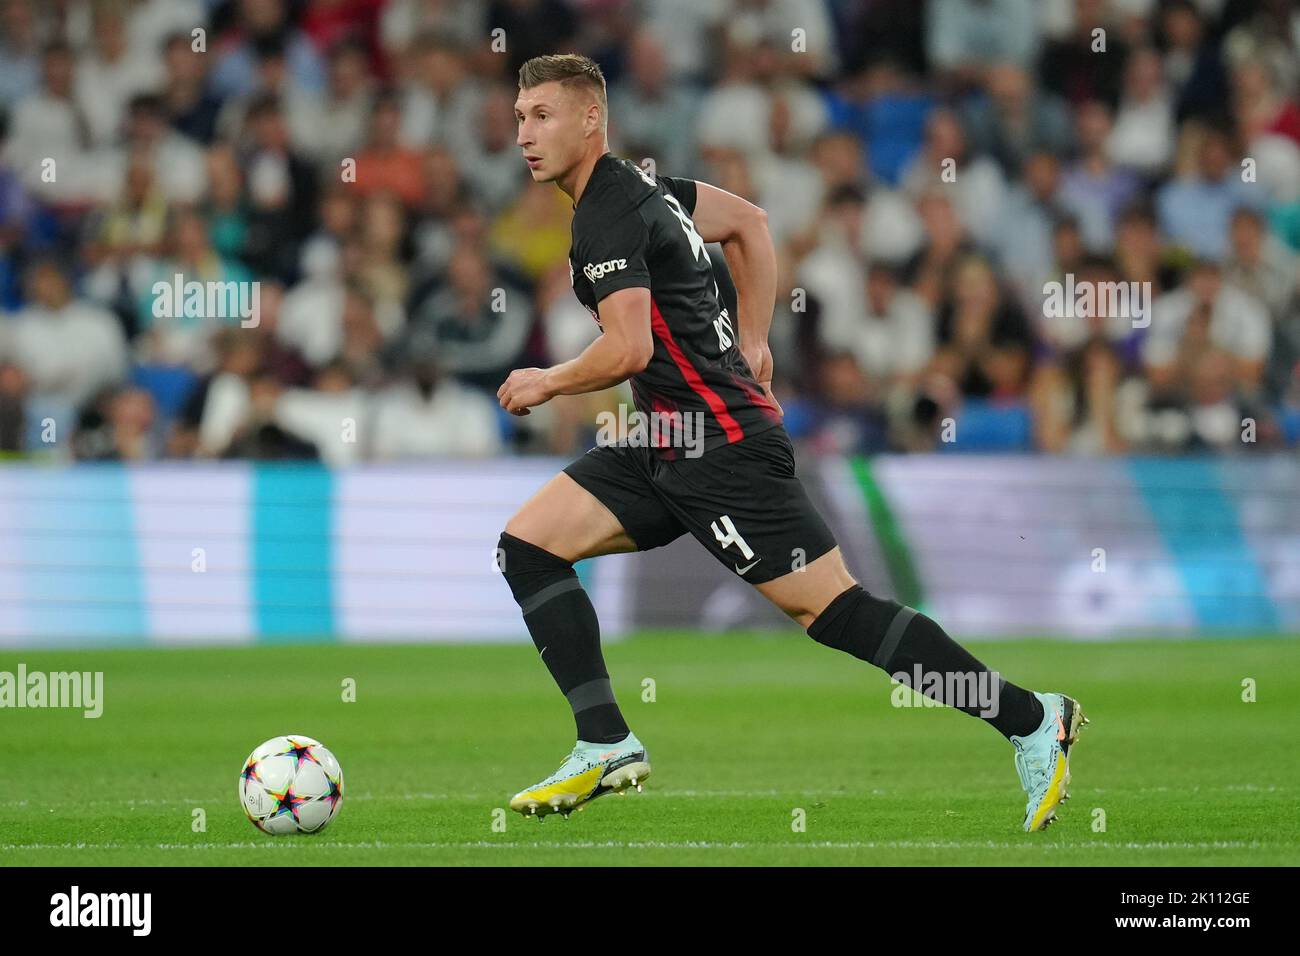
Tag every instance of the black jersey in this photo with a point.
(634, 230)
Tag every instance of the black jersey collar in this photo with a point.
(605, 158)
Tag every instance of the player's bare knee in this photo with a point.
(804, 594)
(535, 526)
(800, 611)
(803, 618)
(520, 527)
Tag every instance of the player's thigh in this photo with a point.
(569, 521)
(602, 503)
(747, 506)
(805, 592)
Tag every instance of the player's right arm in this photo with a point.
(741, 227)
(610, 247)
(624, 348)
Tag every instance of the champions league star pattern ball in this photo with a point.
(291, 784)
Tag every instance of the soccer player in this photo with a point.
(639, 265)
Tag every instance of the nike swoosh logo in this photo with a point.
(742, 571)
(1060, 727)
(608, 755)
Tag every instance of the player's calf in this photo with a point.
(903, 642)
(907, 644)
(564, 628)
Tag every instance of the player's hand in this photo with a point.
(759, 359)
(524, 388)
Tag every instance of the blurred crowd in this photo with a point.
(929, 169)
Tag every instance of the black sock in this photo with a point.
(908, 645)
(564, 628)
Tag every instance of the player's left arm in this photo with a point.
(624, 349)
(741, 227)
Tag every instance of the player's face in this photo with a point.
(551, 132)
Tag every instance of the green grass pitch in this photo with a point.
(743, 731)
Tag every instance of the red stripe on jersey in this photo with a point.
(711, 398)
(757, 396)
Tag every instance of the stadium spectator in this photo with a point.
(1195, 208)
(109, 75)
(122, 240)
(151, 22)
(1088, 62)
(68, 348)
(1014, 120)
(893, 341)
(886, 107)
(446, 195)
(403, 22)
(477, 323)
(966, 36)
(302, 108)
(440, 99)
(532, 27)
(984, 342)
(311, 319)
(1262, 265)
(426, 413)
(1193, 65)
(281, 187)
(122, 428)
(51, 127)
(191, 108)
(208, 140)
(767, 23)
(344, 112)
(655, 114)
(832, 269)
(1023, 243)
(492, 168)
(382, 275)
(177, 331)
(690, 31)
(260, 436)
(1140, 254)
(1261, 106)
(179, 166)
(1142, 137)
(13, 413)
(849, 416)
(18, 214)
(929, 271)
(1094, 190)
(332, 414)
(1206, 314)
(235, 50)
(973, 184)
(533, 234)
(1268, 36)
(20, 63)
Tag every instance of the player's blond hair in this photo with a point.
(567, 69)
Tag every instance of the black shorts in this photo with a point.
(742, 501)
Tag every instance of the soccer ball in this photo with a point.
(291, 784)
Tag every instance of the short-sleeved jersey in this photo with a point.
(634, 230)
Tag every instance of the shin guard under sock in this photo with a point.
(563, 625)
(913, 649)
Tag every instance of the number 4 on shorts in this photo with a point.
(730, 536)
